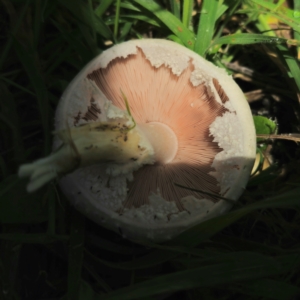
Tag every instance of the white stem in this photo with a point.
(113, 143)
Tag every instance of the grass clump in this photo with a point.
(50, 251)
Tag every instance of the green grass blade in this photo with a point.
(283, 13)
(154, 258)
(175, 25)
(102, 7)
(267, 288)
(243, 268)
(248, 38)
(17, 206)
(73, 40)
(296, 14)
(76, 248)
(3, 167)
(38, 19)
(57, 59)
(125, 30)
(9, 115)
(86, 292)
(175, 8)
(221, 10)
(292, 63)
(104, 244)
(85, 19)
(206, 26)
(33, 238)
(100, 281)
(8, 45)
(230, 7)
(219, 257)
(51, 196)
(187, 12)
(88, 22)
(132, 17)
(175, 38)
(21, 88)
(117, 16)
(264, 176)
(30, 61)
(207, 229)
(243, 244)
(131, 6)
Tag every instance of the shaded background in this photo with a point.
(50, 251)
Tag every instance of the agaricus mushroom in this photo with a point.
(142, 116)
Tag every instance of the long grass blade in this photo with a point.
(187, 12)
(102, 7)
(175, 26)
(283, 13)
(75, 254)
(30, 61)
(175, 8)
(292, 63)
(242, 268)
(206, 26)
(207, 229)
(248, 38)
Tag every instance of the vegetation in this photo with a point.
(50, 251)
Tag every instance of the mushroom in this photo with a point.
(141, 117)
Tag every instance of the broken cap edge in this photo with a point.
(238, 104)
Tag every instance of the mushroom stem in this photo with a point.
(125, 149)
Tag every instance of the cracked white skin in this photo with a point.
(158, 220)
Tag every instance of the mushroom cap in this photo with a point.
(167, 84)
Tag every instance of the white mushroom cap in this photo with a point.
(197, 121)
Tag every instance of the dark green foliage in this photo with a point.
(50, 251)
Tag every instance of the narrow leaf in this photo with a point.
(248, 38)
(206, 26)
(175, 25)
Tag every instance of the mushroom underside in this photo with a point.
(157, 95)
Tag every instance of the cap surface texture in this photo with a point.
(192, 113)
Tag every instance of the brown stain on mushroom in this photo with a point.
(158, 95)
(77, 119)
(92, 112)
(224, 98)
